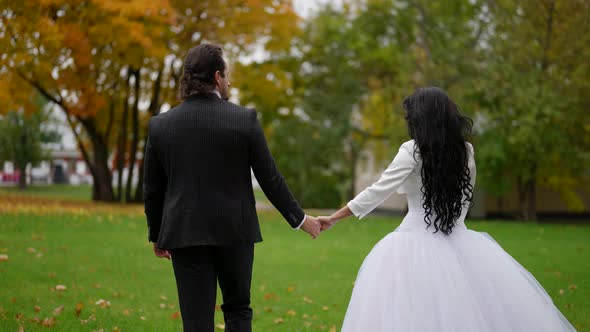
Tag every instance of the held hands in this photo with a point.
(315, 225)
(311, 226)
(327, 222)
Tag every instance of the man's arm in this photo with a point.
(154, 188)
(270, 179)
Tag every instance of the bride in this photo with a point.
(433, 273)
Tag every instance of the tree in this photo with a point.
(357, 63)
(100, 61)
(532, 93)
(21, 139)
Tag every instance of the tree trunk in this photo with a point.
(154, 110)
(22, 179)
(139, 190)
(527, 197)
(134, 138)
(102, 189)
(122, 141)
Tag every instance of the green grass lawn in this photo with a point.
(78, 193)
(58, 191)
(298, 285)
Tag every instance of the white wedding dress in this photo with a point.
(415, 280)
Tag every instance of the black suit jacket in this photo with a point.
(197, 180)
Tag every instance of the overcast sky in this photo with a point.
(304, 7)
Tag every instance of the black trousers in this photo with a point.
(197, 270)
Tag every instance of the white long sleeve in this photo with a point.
(391, 179)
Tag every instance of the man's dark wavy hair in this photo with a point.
(200, 65)
(440, 133)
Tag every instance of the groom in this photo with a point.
(198, 194)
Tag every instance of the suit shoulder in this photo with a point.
(239, 109)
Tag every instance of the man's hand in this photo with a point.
(311, 226)
(326, 222)
(161, 252)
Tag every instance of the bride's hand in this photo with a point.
(326, 222)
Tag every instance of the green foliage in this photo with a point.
(535, 126)
(22, 136)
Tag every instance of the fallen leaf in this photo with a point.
(31, 250)
(126, 312)
(49, 322)
(37, 308)
(78, 309)
(324, 308)
(51, 275)
(291, 312)
(175, 315)
(220, 326)
(268, 309)
(307, 324)
(97, 286)
(57, 311)
(19, 316)
(36, 320)
(90, 318)
(3, 258)
(162, 306)
(21, 328)
(39, 255)
(572, 287)
(333, 328)
(103, 303)
(279, 320)
(60, 288)
(305, 316)
(561, 292)
(290, 289)
(142, 317)
(116, 329)
(163, 298)
(307, 299)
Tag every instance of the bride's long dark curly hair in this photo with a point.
(440, 133)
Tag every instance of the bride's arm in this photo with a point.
(391, 179)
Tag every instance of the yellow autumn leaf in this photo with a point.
(78, 309)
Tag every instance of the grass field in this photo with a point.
(99, 252)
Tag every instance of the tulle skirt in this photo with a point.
(419, 281)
